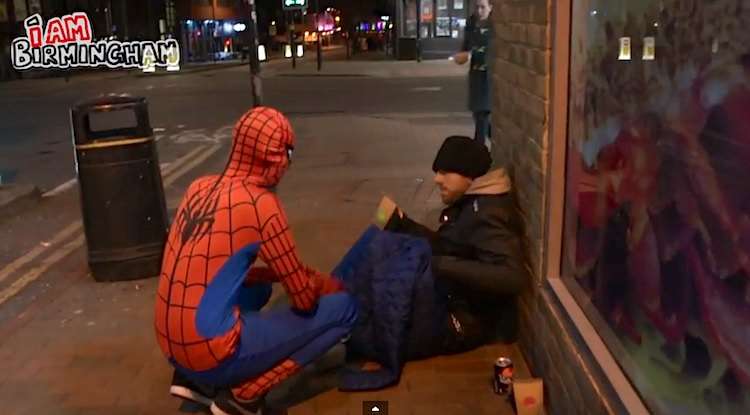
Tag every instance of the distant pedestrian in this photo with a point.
(477, 42)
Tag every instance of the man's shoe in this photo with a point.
(226, 404)
(184, 388)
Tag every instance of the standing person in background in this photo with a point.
(476, 46)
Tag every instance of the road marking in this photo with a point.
(427, 89)
(70, 183)
(36, 272)
(192, 164)
(61, 188)
(200, 135)
(171, 173)
(38, 250)
(182, 160)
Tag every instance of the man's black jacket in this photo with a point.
(478, 256)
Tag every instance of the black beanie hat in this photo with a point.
(463, 155)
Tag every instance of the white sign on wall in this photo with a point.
(625, 49)
(649, 48)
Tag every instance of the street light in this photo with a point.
(254, 51)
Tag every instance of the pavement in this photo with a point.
(69, 345)
(14, 198)
(379, 69)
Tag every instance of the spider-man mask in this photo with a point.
(261, 147)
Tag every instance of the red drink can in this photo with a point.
(503, 376)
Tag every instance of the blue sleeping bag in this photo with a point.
(401, 312)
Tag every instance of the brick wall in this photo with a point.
(521, 110)
(520, 119)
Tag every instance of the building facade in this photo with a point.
(441, 27)
(625, 128)
(211, 30)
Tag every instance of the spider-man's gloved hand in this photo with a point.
(260, 274)
(320, 284)
(325, 284)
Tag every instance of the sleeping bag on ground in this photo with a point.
(401, 314)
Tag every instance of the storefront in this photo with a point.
(441, 27)
(211, 30)
(209, 40)
(628, 133)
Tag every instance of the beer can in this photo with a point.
(503, 376)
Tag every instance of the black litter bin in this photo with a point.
(122, 195)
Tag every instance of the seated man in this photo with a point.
(478, 258)
(207, 315)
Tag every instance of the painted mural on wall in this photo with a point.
(658, 196)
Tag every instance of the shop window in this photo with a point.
(427, 23)
(657, 215)
(409, 19)
(443, 19)
(458, 28)
(439, 18)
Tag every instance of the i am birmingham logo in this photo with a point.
(67, 43)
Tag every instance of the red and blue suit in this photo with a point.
(207, 319)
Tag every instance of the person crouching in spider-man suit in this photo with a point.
(207, 319)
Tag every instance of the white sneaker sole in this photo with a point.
(190, 395)
(215, 410)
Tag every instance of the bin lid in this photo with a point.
(81, 123)
(109, 103)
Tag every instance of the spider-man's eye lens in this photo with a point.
(289, 152)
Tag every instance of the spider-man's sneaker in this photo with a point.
(183, 388)
(226, 404)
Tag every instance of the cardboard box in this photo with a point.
(529, 396)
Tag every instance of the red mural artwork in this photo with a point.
(658, 228)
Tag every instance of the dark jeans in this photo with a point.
(269, 337)
(465, 331)
(482, 126)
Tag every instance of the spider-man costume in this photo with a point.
(207, 316)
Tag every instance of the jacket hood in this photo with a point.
(496, 182)
(261, 141)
